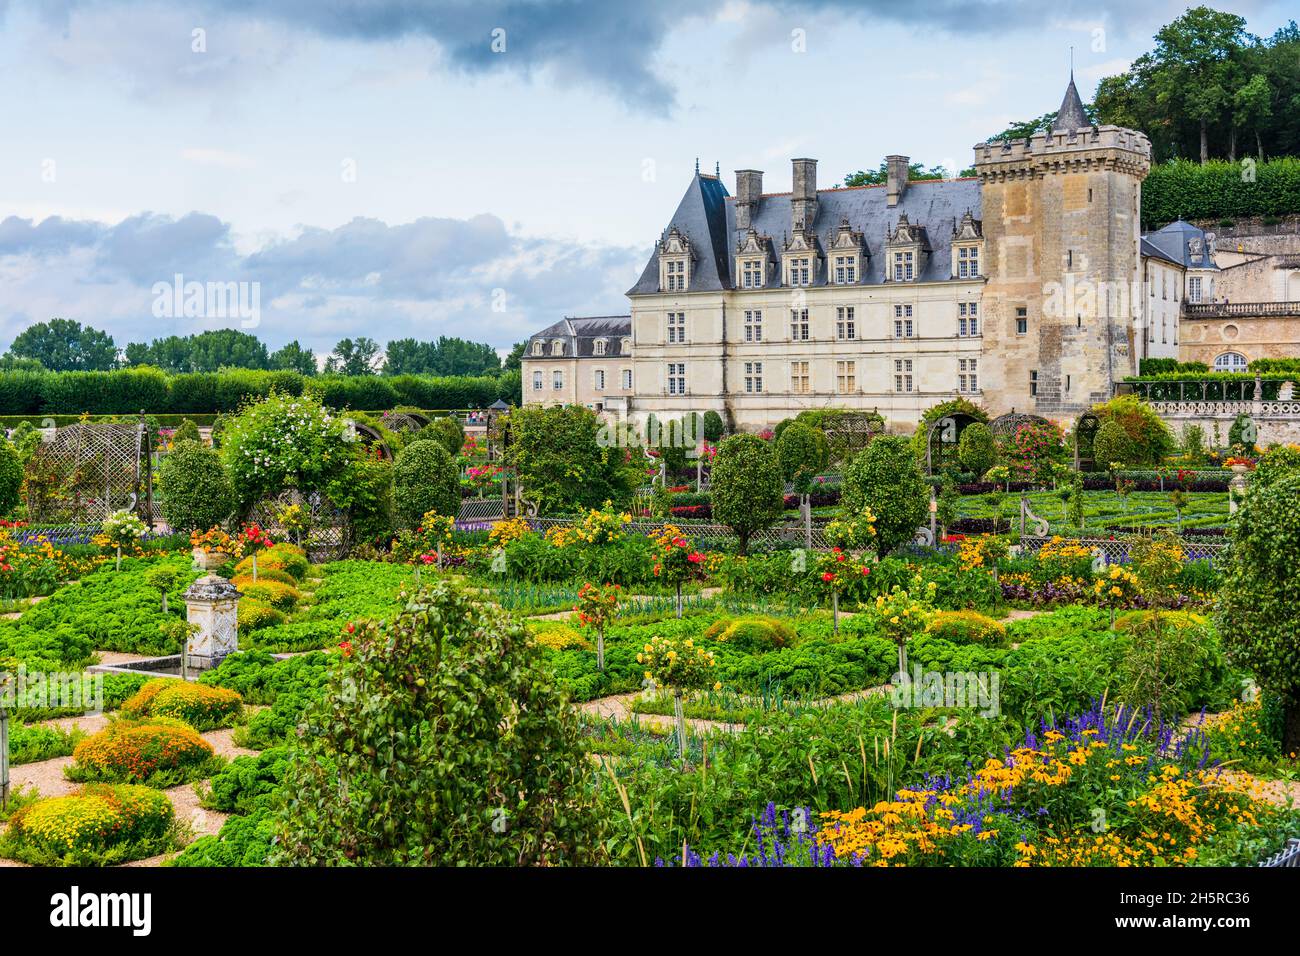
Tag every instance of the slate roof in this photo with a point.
(580, 333)
(706, 215)
(1071, 116)
(1151, 250)
(1174, 242)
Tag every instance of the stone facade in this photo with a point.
(1026, 287)
(581, 360)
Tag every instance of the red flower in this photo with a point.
(346, 648)
(866, 570)
(695, 557)
(839, 557)
(351, 628)
(827, 576)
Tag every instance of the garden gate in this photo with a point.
(942, 438)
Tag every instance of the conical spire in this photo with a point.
(1070, 116)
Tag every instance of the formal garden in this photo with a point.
(554, 640)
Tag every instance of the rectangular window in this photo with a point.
(537, 381)
(1194, 289)
(627, 379)
(752, 274)
(676, 275)
(1022, 321)
(676, 378)
(1033, 383)
(903, 266)
(845, 324)
(903, 328)
(753, 325)
(800, 383)
(798, 325)
(902, 375)
(598, 379)
(845, 270)
(967, 375)
(846, 377)
(968, 322)
(800, 272)
(676, 328)
(557, 380)
(753, 377)
(968, 263)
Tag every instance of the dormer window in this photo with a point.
(800, 271)
(538, 347)
(751, 274)
(968, 262)
(845, 255)
(625, 346)
(967, 241)
(598, 347)
(674, 262)
(907, 248)
(904, 266)
(557, 347)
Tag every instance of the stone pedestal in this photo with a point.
(211, 603)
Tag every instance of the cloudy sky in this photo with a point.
(474, 168)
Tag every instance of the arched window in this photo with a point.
(557, 347)
(1230, 362)
(537, 348)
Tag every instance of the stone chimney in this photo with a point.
(749, 187)
(803, 197)
(896, 172)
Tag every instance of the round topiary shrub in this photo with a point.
(561, 637)
(447, 432)
(157, 752)
(100, 825)
(195, 492)
(253, 614)
(281, 596)
(967, 627)
(264, 574)
(1112, 445)
(1150, 439)
(886, 480)
(187, 431)
(424, 479)
(801, 451)
(755, 635)
(976, 450)
(745, 487)
(199, 705)
(284, 557)
(712, 426)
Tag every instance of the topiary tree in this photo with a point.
(442, 739)
(886, 479)
(162, 578)
(713, 426)
(1255, 611)
(1112, 445)
(802, 452)
(1150, 439)
(447, 432)
(424, 479)
(11, 476)
(568, 460)
(195, 492)
(745, 487)
(187, 431)
(977, 450)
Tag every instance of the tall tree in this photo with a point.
(354, 356)
(514, 361)
(292, 357)
(63, 345)
(878, 176)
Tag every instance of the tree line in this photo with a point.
(1208, 89)
(65, 345)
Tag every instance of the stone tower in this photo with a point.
(1062, 245)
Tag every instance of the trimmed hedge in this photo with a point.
(1219, 190)
(200, 706)
(98, 826)
(127, 391)
(159, 752)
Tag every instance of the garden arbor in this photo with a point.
(1085, 430)
(82, 473)
(942, 438)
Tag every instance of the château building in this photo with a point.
(1027, 285)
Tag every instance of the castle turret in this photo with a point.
(1061, 226)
